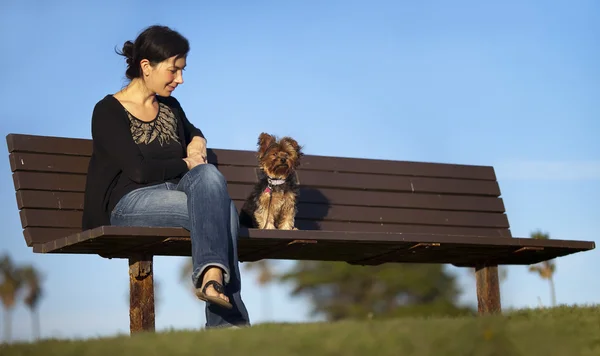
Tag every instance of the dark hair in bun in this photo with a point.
(156, 43)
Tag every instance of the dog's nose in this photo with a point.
(283, 159)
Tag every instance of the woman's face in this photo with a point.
(163, 78)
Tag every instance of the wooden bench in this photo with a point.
(361, 211)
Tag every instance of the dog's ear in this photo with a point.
(264, 141)
(293, 143)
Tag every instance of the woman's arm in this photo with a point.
(111, 133)
(197, 147)
(193, 135)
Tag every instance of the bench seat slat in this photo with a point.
(353, 247)
(372, 166)
(53, 163)
(317, 212)
(48, 144)
(82, 147)
(49, 181)
(44, 234)
(46, 199)
(328, 196)
(248, 175)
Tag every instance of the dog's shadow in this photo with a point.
(313, 208)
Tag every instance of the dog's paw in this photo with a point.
(287, 227)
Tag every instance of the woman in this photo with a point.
(149, 168)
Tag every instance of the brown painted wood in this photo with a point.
(45, 199)
(49, 181)
(333, 196)
(50, 218)
(371, 166)
(488, 290)
(25, 179)
(141, 294)
(49, 144)
(398, 215)
(386, 182)
(329, 196)
(83, 147)
(40, 162)
(313, 212)
(354, 247)
(400, 228)
(43, 234)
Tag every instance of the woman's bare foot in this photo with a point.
(213, 277)
(216, 274)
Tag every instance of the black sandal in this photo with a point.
(201, 294)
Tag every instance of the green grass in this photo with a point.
(565, 331)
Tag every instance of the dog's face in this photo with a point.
(278, 158)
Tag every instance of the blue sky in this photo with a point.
(514, 84)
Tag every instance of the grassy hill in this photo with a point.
(564, 331)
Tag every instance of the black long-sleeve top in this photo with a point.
(129, 154)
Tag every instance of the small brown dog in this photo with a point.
(272, 203)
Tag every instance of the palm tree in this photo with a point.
(32, 279)
(10, 285)
(545, 269)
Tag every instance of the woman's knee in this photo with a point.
(208, 173)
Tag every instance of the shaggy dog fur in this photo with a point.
(272, 202)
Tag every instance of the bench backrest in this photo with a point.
(337, 194)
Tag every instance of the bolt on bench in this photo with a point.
(360, 211)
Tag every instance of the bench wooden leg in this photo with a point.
(488, 290)
(141, 294)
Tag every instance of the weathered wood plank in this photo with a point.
(48, 144)
(141, 294)
(44, 234)
(46, 199)
(327, 246)
(74, 200)
(83, 147)
(248, 175)
(313, 212)
(49, 181)
(488, 289)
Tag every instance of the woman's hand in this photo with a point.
(195, 160)
(197, 147)
(196, 152)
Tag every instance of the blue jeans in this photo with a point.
(201, 204)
